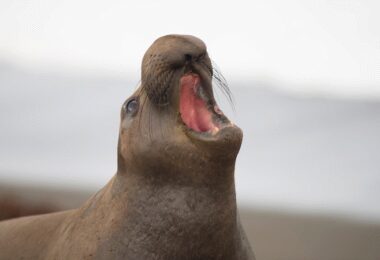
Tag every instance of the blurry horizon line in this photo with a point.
(319, 89)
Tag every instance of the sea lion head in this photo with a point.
(172, 126)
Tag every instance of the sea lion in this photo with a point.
(173, 196)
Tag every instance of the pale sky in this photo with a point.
(308, 47)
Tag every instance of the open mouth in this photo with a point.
(196, 112)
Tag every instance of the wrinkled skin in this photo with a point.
(173, 196)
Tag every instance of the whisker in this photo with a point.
(220, 82)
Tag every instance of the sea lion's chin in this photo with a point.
(200, 117)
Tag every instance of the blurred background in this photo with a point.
(306, 82)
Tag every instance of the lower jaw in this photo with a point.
(214, 135)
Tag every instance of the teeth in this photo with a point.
(215, 130)
(217, 110)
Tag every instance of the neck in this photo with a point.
(173, 221)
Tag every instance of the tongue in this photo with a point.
(193, 109)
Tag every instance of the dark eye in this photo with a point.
(132, 106)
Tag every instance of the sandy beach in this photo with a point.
(279, 235)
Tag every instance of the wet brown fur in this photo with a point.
(173, 196)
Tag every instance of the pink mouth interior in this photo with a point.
(193, 109)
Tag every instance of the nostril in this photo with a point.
(188, 57)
